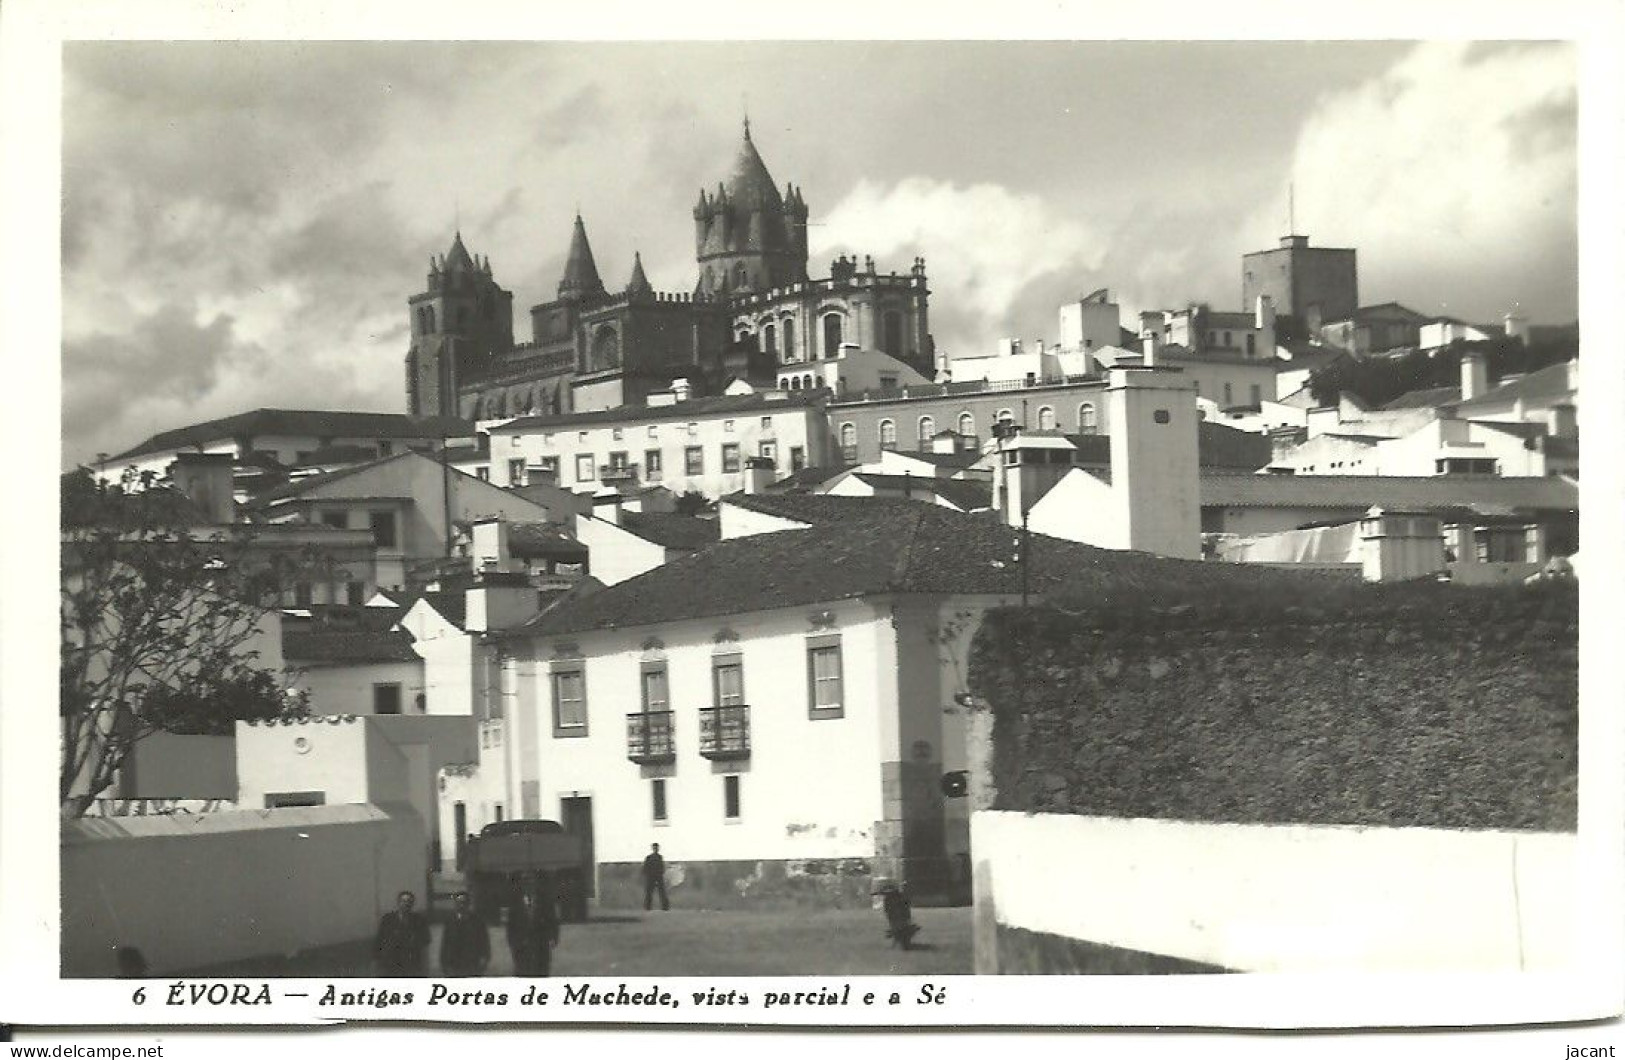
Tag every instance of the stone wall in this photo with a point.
(821, 883)
(1410, 705)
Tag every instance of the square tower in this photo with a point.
(1309, 286)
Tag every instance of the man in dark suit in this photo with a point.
(403, 938)
(654, 878)
(465, 944)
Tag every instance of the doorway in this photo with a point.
(575, 814)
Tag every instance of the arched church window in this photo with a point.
(789, 340)
(795, 383)
(1086, 418)
(893, 330)
(770, 336)
(888, 434)
(967, 425)
(1046, 419)
(928, 427)
(849, 436)
(833, 325)
(1005, 416)
(606, 348)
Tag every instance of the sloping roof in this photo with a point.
(1541, 385)
(671, 530)
(543, 541)
(1410, 493)
(450, 604)
(966, 496)
(875, 546)
(959, 460)
(682, 410)
(639, 283)
(350, 646)
(261, 422)
(750, 185)
(310, 482)
(1217, 446)
(457, 258)
(1423, 399)
(808, 477)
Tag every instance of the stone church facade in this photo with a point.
(753, 307)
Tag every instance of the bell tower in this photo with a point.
(748, 237)
(460, 324)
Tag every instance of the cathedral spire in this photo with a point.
(457, 258)
(639, 283)
(580, 271)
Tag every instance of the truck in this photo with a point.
(509, 855)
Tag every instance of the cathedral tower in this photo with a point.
(460, 325)
(748, 237)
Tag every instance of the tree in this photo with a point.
(1379, 380)
(692, 502)
(159, 614)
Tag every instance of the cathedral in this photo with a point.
(753, 308)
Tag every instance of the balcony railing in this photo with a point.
(617, 472)
(725, 732)
(649, 737)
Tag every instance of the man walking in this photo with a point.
(465, 944)
(403, 938)
(654, 878)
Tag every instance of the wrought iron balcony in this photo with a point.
(617, 472)
(725, 732)
(649, 737)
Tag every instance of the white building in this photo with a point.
(852, 370)
(697, 444)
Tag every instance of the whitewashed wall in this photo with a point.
(1284, 898)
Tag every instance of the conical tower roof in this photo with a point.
(458, 258)
(639, 283)
(749, 184)
(580, 271)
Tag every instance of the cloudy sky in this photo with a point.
(243, 223)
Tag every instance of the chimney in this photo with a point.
(607, 506)
(1517, 327)
(1151, 419)
(680, 388)
(1475, 375)
(1400, 546)
(488, 546)
(759, 472)
(500, 600)
(205, 478)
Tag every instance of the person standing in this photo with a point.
(533, 932)
(465, 944)
(403, 938)
(654, 878)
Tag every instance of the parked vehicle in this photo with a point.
(510, 854)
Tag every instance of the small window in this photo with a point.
(655, 699)
(770, 451)
(514, 440)
(516, 471)
(694, 460)
(654, 431)
(798, 458)
(730, 458)
(730, 797)
(616, 434)
(657, 794)
(824, 677)
(651, 465)
(569, 703)
(693, 430)
(383, 528)
(728, 425)
(767, 423)
(581, 436)
(386, 699)
(728, 682)
(483, 473)
(584, 468)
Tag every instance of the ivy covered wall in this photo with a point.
(1412, 705)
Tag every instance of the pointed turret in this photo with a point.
(457, 258)
(638, 285)
(580, 271)
(750, 185)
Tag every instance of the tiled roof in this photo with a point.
(309, 482)
(808, 477)
(359, 646)
(872, 546)
(1217, 446)
(1423, 492)
(262, 422)
(696, 408)
(543, 541)
(1424, 399)
(671, 530)
(451, 604)
(966, 496)
(1541, 385)
(953, 460)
